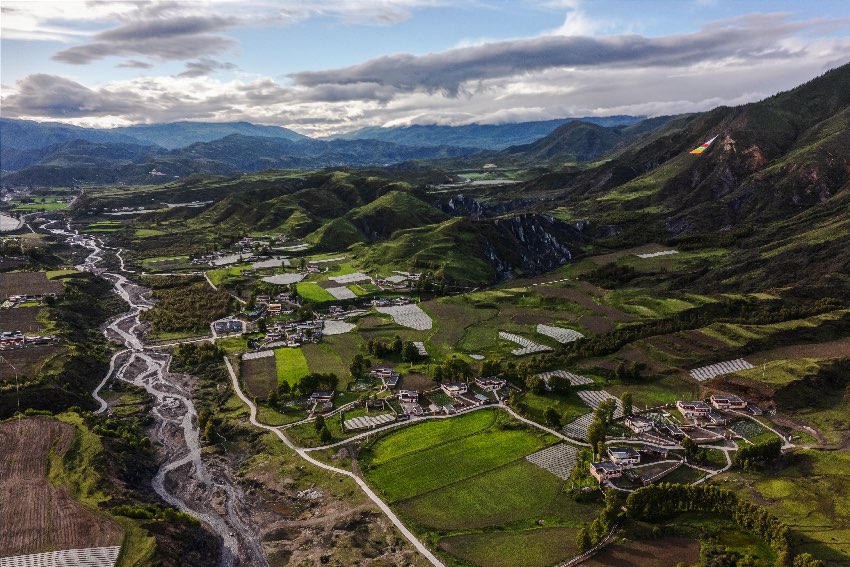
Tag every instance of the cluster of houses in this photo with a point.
(14, 300)
(228, 326)
(322, 401)
(621, 459)
(398, 281)
(294, 334)
(281, 304)
(383, 302)
(17, 339)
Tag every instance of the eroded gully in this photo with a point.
(204, 490)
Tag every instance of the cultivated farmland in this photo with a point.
(559, 459)
(410, 316)
(439, 465)
(291, 365)
(560, 334)
(714, 370)
(45, 516)
(527, 346)
(27, 283)
(259, 373)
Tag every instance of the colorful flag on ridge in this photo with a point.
(703, 147)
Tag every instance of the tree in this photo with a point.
(358, 366)
(319, 423)
(560, 384)
(552, 417)
(583, 539)
(397, 345)
(410, 353)
(272, 400)
(438, 374)
(209, 432)
(596, 433)
(535, 384)
(491, 368)
(325, 435)
(806, 560)
(626, 398)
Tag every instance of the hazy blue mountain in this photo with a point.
(26, 135)
(482, 136)
(181, 134)
(21, 135)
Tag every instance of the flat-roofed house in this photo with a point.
(604, 470)
(454, 389)
(639, 424)
(693, 409)
(728, 402)
(624, 456)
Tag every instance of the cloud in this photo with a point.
(205, 66)
(58, 97)
(134, 64)
(750, 37)
(177, 38)
(729, 62)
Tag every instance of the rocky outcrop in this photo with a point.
(529, 244)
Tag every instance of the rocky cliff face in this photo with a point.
(464, 205)
(529, 244)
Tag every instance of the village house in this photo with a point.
(454, 389)
(605, 470)
(695, 409)
(408, 396)
(388, 376)
(718, 418)
(639, 424)
(727, 402)
(11, 339)
(655, 450)
(490, 383)
(624, 456)
(321, 397)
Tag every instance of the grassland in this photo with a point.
(291, 365)
(525, 548)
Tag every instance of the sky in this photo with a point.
(331, 66)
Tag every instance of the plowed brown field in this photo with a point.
(35, 516)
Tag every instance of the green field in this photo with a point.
(441, 463)
(569, 407)
(291, 365)
(517, 492)
(310, 291)
(526, 548)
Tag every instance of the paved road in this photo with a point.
(303, 454)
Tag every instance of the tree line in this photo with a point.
(656, 502)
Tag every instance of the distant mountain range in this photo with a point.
(33, 153)
(481, 136)
(25, 134)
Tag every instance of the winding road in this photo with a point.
(420, 547)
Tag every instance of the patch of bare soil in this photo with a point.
(418, 382)
(35, 515)
(604, 259)
(830, 349)
(313, 527)
(597, 324)
(667, 552)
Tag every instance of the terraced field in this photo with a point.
(45, 516)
